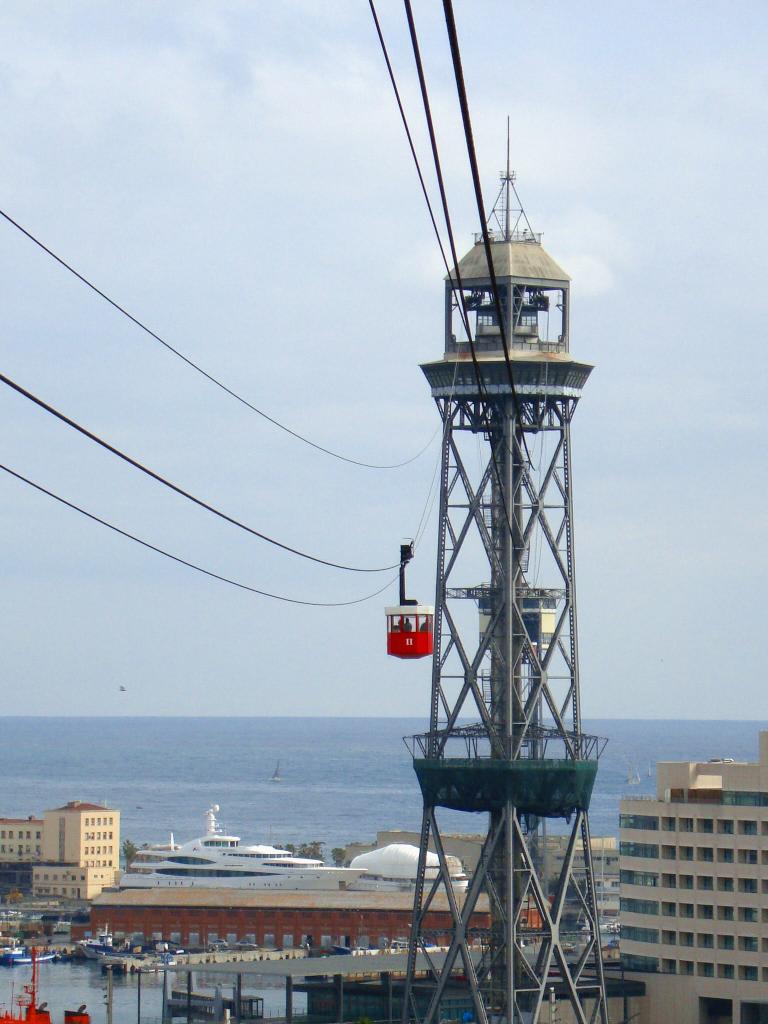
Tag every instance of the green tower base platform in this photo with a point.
(546, 788)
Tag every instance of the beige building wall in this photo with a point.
(82, 833)
(80, 851)
(21, 839)
(694, 892)
(68, 881)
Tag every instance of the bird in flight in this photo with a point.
(122, 689)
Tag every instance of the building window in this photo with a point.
(686, 967)
(748, 914)
(725, 885)
(668, 852)
(725, 942)
(705, 970)
(747, 856)
(686, 824)
(686, 853)
(725, 856)
(748, 944)
(725, 913)
(639, 906)
(668, 938)
(648, 850)
(748, 828)
(632, 962)
(668, 824)
(748, 885)
(627, 877)
(706, 941)
(686, 938)
(686, 910)
(705, 825)
(725, 971)
(705, 853)
(643, 821)
(706, 911)
(633, 934)
(705, 882)
(747, 974)
(669, 882)
(725, 827)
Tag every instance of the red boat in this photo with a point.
(29, 1012)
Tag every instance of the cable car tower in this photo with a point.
(505, 735)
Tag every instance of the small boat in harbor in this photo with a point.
(24, 955)
(94, 949)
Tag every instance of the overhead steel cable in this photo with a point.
(199, 369)
(457, 286)
(180, 490)
(458, 71)
(184, 561)
(416, 161)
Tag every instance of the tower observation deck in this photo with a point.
(505, 736)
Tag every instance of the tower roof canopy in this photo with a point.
(525, 259)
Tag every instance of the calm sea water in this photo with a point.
(342, 779)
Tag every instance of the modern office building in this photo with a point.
(693, 891)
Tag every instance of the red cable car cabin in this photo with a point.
(409, 630)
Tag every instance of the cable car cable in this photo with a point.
(409, 136)
(199, 369)
(458, 289)
(179, 490)
(184, 561)
(453, 39)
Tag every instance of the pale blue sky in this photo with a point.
(236, 175)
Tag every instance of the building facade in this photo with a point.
(21, 839)
(694, 882)
(21, 842)
(80, 851)
(198, 917)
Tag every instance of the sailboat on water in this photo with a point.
(276, 776)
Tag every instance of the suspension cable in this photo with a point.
(184, 561)
(199, 369)
(179, 490)
(472, 155)
(458, 289)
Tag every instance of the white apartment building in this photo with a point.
(694, 892)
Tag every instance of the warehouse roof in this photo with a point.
(257, 899)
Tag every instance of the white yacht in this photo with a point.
(219, 861)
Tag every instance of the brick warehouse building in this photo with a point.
(285, 919)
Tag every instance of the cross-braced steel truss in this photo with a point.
(506, 504)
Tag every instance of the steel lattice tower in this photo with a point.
(506, 502)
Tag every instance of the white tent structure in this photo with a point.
(395, 867)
